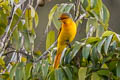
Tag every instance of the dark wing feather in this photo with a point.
(59, 31)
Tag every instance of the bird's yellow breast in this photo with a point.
(66, 35)
(68, 32)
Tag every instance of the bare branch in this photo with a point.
(26, 54)
(9, 65)
(15, 26)
(10, 19)
(5, 39)
(46, 52)
(77, 9)
(23, 52)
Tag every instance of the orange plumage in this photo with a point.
(66, 36)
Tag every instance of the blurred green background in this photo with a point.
(114, 23)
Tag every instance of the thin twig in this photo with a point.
(46, 52)
(9, 65)
(36, 6)
(15, 26)
(75, 6)
(82, 16)
(77, 9)
(21, 52)
(5, 38)
(25, 54)
(10, 19)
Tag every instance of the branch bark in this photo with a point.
(4, 38)
(45, 53)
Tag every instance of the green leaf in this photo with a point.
(68, 73)
(50, 16)
(103, 73)
(76, 48)
(50, 39)
(105, 15)
(100, 45)
(2, 29)
(96, 6)
(27, 43)
(56, 22)
(29, 37)
(113, 45)
(94, 55)
(118, 70)
(68, 8)
(107, 33)
(66, 55)
(19, 71)
(74, 70)
(21, 26)
(45, 68)
(92, 40)
(116, 37)
(71, 53)
(52, 75)
(15, 19)
(86, 4)
(58, 74)
(36, 19)
(28, 69)
(12, 71)
(99, 30)
(37, 67)
(95, 76)
(19, 12)
(3, 18)
(107, 43)
(91, 23)
(4, 76)
(86, 50)
(32, 11)
(64, 8)
(82, 73)
(93, 3)
(16, 39)
(28, 19)
(112, 65)
(106, 59)
(2, 63)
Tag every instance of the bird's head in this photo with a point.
(65, 18)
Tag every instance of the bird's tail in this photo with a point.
(57, 60)
(58, 56)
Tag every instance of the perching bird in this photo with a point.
(66, 35)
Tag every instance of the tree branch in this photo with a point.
(46, 52)
(24, 53)
(77, 9)
(5, 38)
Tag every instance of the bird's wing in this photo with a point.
(59, 31)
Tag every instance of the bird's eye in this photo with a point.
(62, 18)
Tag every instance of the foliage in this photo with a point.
(96, 57)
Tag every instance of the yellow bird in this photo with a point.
(66, 35)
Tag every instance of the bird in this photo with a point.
(66, 35)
